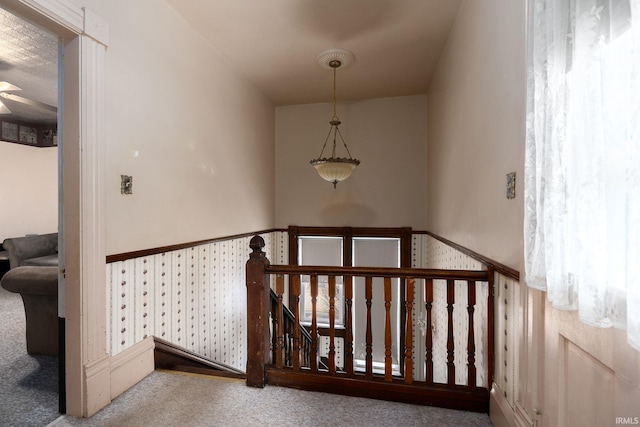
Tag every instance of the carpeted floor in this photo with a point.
(28, 384)
(187, 400)
(28, 397)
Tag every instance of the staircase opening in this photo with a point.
(171, 357)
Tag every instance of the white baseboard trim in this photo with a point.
(98, 379)
(108, 377)
(502, 414)
(522, 418)
(131, 366)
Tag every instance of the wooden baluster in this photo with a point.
(287, 342)
(305, 353)
(388, 361)
(274, 330)
(428, 357)
(314, 323)
(451, 367)
(368, 291)
(348, 296)
(280, 321)
(408, 336)
(332, 325)
(295, 291)
(471, 344)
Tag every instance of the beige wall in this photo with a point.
(29, 190)
(566, 373)
(388, 188)
(196, 137)
(198, 140)
(476, 131)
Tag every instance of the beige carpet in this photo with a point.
(174, 399)
(28, 397)
(28, 383)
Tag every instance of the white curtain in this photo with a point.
(582, 167)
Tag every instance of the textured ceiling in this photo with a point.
(28, 59)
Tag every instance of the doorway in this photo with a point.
(29, 63)
(81, 138)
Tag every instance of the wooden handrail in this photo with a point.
(402, 273)
(487, 262)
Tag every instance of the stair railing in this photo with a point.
(294, 364)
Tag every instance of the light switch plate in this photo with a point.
(511, 185)
(126, 184)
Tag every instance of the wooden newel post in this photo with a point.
(257, 314)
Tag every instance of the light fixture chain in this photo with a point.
(325, 143)
(343, 143)
(335, 116)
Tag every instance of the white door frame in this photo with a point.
(82, 293)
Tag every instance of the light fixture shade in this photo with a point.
(335, 169)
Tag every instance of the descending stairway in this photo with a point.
(172, 357)
(175, 358)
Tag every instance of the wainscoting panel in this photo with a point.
(277, 247)
(323, 349)
(194, 297)
(441, 255)
(585, 378)
(507, 327)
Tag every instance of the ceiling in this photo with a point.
(274, 43)
(397, 44)
(28, 59)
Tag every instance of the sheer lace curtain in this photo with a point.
(582, 167)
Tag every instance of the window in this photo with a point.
(582, 167)
(376, 252)
(325, 251)
(354, 247)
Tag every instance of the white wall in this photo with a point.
(29, 190)
(196, 137)
(388, 188)
(476, 131)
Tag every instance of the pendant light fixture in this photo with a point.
(335, 169)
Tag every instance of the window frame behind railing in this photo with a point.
(348, 234)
